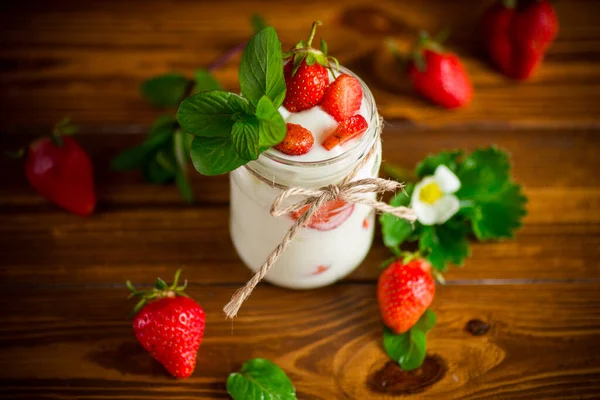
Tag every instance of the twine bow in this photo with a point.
(348, 190)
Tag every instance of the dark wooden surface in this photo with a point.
(65, 331)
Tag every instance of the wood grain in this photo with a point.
(87, 60)
(331, 347)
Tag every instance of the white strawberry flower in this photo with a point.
(433, 199)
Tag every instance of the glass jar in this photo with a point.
(336, 239)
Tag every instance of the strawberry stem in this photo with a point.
(160, 290)
(313, 31)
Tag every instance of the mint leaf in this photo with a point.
(260, 379)
(157, 171)
(215, 155)
(180, 140)
(245, 137)
(205, 81)
(499, 216)
(410, 348)
(166, 90)
(271, 125)
(483, 173)
(397, 230)
(135, 157)
(445, 243)
(261, 68)
(258, 22)
(431, 162)
(164, 123)
(211, 114)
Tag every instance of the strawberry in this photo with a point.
(343, 97)
(306, 75)
(169, 325)
(405, 291)
(61, 171)
(297, 141)
(331, 215)
(347, 130)
(517, 34)
(436, 74)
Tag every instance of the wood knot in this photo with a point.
(391, 379)
(477, 327)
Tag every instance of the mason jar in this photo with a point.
(335, 241)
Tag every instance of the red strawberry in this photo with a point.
(331, 215)
(62, 172)
(518, 33)
(306, 76)
(404, 292)
(298, 140)
(343, 97)
(170, 327)
(347, 130)
(438, 75)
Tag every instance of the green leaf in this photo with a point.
(180, 154)
(165, 90)
(445, 243)
(261, 68)
(397, 230)
(483, 173)
(155, 172)
(260, 379)
(323, 47)
(211, 114)
(205, 81)
(184, 186)
(271, 125)
(137, 156)
(258, 23)
(410, 348)
(245, 138)
(500, 216)
(164, 123)
(431, 162)
(215, 155)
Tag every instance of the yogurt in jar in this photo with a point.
(337, 239)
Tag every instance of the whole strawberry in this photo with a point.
(306, 75)
(61, 171)
(169, 325)
(438, 75)
(518, 33)
(405, 291)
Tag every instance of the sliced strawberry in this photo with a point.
(306, 87)
(347, 130)
(297, 141)
(331, 215)
(343, 97)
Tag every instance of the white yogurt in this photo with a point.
(315, 257)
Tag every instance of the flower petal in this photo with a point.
(446, 179)
(426, 214)
(445, 208)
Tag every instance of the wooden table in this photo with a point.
(66, 332)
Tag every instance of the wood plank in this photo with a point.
(83, 347)
(552, 160)
(87, 59)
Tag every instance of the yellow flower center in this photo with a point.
(430, 193)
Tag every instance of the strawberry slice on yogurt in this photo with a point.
(331, 215)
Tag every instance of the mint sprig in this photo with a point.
(230, 130)
(492, 207)
(260, 379)
(410, 348)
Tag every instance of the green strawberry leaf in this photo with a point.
(499, 216)
(431, 162)
(211, 114)
(260, 379)
(410, 348)
(261, 68)
(215, 155)
(205, 81)
(165, 90)
(271, 125)
(396, 230)
(483, 173)
(445, 243)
